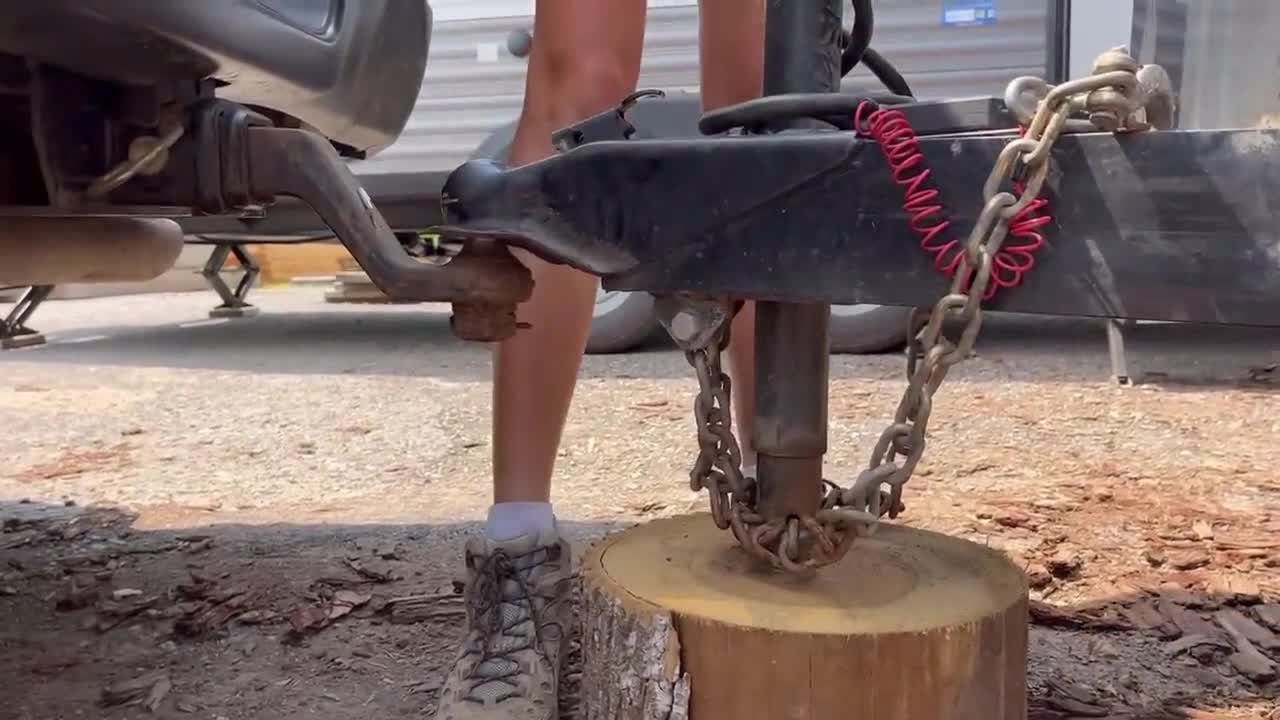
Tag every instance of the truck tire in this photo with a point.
(863, 329)
(620, 321)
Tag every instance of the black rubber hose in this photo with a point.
(886, 72)
(836, 109)
(864, 26)
(858, 49)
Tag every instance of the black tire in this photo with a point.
(864, 329)
(620, 321)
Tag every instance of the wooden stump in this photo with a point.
(678, 622)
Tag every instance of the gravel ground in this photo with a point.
(259, 454)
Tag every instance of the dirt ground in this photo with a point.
(222, 519)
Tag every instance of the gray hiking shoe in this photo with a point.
(517, 617)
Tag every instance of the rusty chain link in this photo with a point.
(1116, 100)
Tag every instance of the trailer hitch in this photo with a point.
(484, 281)
(1171, 225)
(1163, 226)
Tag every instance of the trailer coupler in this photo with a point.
(1167, 225)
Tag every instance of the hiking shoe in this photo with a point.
(517, 598)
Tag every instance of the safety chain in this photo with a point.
(1115, 101)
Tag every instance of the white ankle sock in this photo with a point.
(510, 520)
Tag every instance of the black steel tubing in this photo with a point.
(802, 55)
(864, 24)
(802, 46)
(790, 436)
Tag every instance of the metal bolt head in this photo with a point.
(520, 42)
(684, 326)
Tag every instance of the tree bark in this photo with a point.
(678, 623)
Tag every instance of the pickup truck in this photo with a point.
(144, 120)
(121, 117)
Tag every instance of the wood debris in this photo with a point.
(1251, 663)
(1076, 701)
(1202, 529)
(422, 608)
(1269, 615)
(219, 609)
(1176, 591)
(1187, 622)
(1244, 543)
(158, 692)
(1188, 559)
(1038, 576)
(75, 596)
(371, 574)
(198, 589)
(72, 462)
(1144, 616)
(18, 539)
(1190, 642)
(1247, 659)
(199, 546)
(1234, 621)
(257, 617)
(1047, 615)
(1065, 563)
(148, 690)
(1015, 519)
(429, 685)
(1235, 589)
(309, 619)
(113, 614)
(393, 551)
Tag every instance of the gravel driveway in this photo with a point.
(268, 456)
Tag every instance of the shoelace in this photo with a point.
(498, 645)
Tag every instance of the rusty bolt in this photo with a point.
(684, 326)
(481, 322)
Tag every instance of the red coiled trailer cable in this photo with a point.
(901, 148)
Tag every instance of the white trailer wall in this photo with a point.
(474, 86)
(1222, 56)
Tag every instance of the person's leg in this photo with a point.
(585, 59)
(731, 52)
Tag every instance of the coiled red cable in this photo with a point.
(901, 148)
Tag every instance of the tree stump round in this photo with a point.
(679, 623)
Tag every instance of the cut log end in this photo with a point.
(678, 622)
